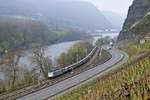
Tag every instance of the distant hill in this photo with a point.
(116, 19)
(20, 32)
(17, 32)
(27, 22)
(57, 13)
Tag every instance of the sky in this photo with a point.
(117, 6)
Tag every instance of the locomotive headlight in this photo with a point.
(50, 74)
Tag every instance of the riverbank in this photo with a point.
(96, 59)
(30, 72)
(53, 51)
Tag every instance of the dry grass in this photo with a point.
(105, 88)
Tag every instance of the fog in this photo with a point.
(70, 11)
(117, 6)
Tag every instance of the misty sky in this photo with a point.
(118, 6)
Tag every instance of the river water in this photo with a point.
(53, 51)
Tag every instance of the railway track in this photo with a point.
(77, 80)
(44, 84)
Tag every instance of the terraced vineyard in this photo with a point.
(131, 81)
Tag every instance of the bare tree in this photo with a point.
(10, 61)
(42, 62)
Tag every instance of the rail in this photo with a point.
(25, 91)
(79, 62)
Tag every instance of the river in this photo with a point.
(53, 51)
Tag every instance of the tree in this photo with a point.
(99, 42)
(3, 45)
(74, 54)
(19, 38)
(107, 39)
(43, 63)
(63, 60)
(11, 61)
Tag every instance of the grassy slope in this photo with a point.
(142, 27)
(106, 87)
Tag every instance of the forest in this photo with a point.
(26, 32)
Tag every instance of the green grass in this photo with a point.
(133, 70)
(142, 26)
(61, 33)
(135, 49)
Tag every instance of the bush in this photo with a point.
(74, 54)
(3, 45)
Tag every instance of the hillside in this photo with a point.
(58, 13)
(130, 81)
(137, 12)
(20, 32)
(16, 32)
(142, 28)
